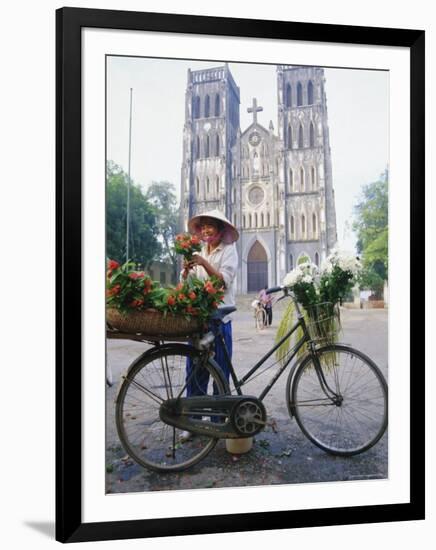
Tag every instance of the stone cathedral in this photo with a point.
(274, 186)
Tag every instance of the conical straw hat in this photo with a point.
(230, 234)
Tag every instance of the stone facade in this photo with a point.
(275, 187)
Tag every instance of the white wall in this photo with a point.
(27, 268)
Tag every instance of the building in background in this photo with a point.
(275, 186)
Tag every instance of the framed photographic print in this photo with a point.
(240, 217)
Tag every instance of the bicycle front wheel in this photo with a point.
(150, 381)
(354, 421)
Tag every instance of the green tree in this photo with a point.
(161, 195)
(371, 227)
(144, 246)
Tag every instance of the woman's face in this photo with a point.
(209, 230)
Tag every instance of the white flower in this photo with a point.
(344, 260)
(304, 272)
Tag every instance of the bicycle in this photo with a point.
(260, 315)
(340, 405)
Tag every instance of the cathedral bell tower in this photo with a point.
(310, 224)
(210, 131)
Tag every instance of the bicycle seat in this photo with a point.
(222, 311)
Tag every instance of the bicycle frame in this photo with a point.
(305, 339)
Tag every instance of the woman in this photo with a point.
(218, 258)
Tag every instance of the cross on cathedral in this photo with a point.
(254, 109)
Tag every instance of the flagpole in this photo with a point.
(128, 180)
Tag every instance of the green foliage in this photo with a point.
(161, 196)
(334, 286)
(143, 246)
(369, 279)
(371, 227)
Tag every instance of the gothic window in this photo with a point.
(291, 262)
(302, 186)
(262, 220)
(217, 146)
(317, 259)
(300, 137)
(289, 137)
(197, 182)
(303, 226)
(196, 106)
(310, 93)
(288, 96)
(299, 94)
(217, 105)
(197, 148)
(292, 226)
(268, 219)
(234, 220)
(314, 230)
(255, 219)
(207, 107)
(249, 220)
(312, 135)
(207, 147)
(207, 186)
(217, 185)
(312, 177)
(243, 221)
(291, 180)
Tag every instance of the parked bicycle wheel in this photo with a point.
(260, 318)
(150, 381)
(357, 419)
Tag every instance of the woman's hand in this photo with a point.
(198, 260)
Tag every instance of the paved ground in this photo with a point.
(281, 453)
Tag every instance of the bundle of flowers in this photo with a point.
(319, 292)
(186, 244)
(128, 290)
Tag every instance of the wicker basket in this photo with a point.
(151, 322)
(323, 322)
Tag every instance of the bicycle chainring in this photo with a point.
(248, 417)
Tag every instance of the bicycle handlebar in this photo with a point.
(273, 289)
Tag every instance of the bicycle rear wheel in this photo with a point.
(358, 418)
(151, 380)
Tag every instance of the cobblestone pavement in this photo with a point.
(281, 453)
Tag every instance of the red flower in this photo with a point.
(179, 286)
(171, 300)
(136, 275)
(184, 244)
(209, 288)
(180, 237)
(181, 296)
(114, 290)
(195, 239)
(192, 295)
(112, 264)
(215, 304)
(136, 303)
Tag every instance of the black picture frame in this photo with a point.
(69, 22)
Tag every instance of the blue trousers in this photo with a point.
(197, 385)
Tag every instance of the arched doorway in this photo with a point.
(257, 268)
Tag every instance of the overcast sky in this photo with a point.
(357, 114)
